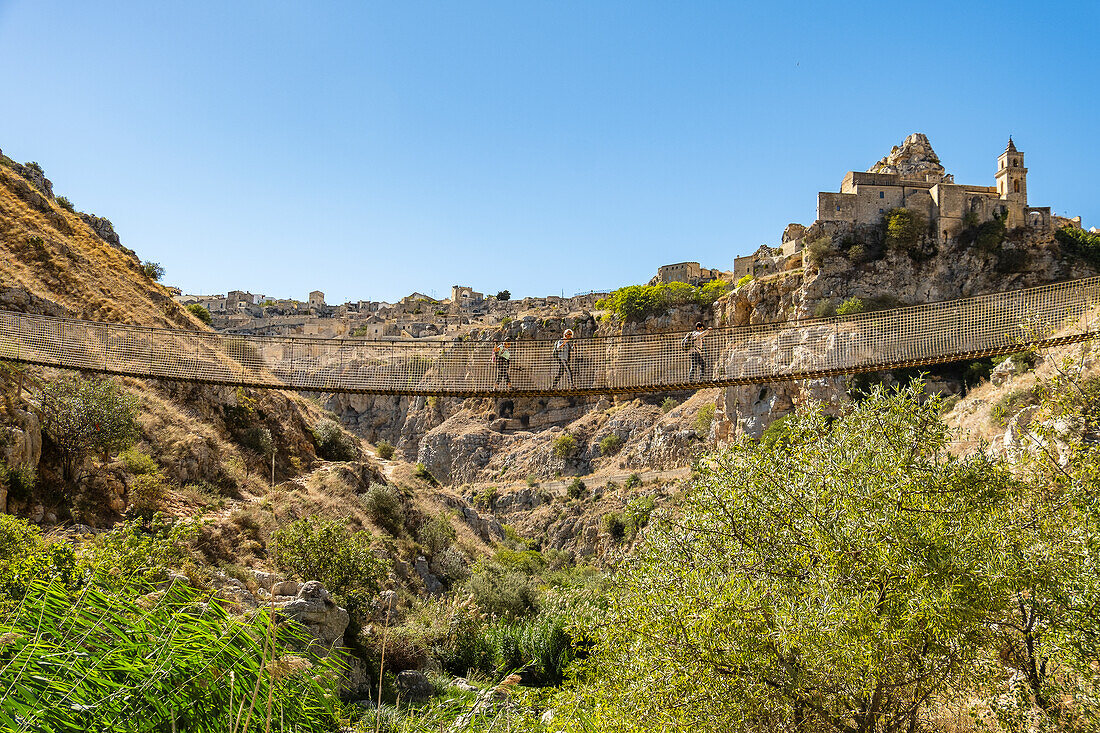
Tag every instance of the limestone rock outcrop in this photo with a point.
(314, 609)
(914, 159)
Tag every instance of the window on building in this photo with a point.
(838, 207)
(882, 194)
(1015, 186)
(1015, 163)
(882, 211)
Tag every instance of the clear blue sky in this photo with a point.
(372, 149)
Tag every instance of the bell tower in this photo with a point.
(1012, 175)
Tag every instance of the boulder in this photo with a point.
(314, 608)
(414, 686)
(431, 581)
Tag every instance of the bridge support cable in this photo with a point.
(998, 323)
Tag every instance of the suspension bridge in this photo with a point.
(931, 333)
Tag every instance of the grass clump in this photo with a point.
(385, 450)
(564, 446)
(610, 444)
(423, 473)
(138, 462)
(669, 405)
(704, 419)
(577, 489)
(1011, 403)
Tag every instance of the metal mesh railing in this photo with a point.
(924, 334)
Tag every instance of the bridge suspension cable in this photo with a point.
(985, 325)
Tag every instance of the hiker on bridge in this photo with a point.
(502, 357)
(693, 344)
(563, 351)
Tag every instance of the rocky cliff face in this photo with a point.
(914, 159)
(856, 263)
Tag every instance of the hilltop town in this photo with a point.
(416, 315)
(910, 178)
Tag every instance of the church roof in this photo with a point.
(1011, 147)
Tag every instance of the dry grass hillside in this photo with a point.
(197, 454)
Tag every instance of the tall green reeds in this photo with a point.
(169, 660)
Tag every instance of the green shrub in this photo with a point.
(904, 230)
(824, 309)
(564, 446)
(859, 254)
(87, 415)
(704, 419)
(1081, 243)
(614, 524)
(385, 507)
(24, 557)
(669, 405)
(788, 576)
(776, 434)
(65, 204)
(502, 590)
(632, 480)
(152, 270)
(148, 494)
(333, 442)
(577, 489)
(743, 280)
(507, 320)
(851, 306)
(19, 481)
(1012, 260)
(638, 302)
(138, 462)
(385, 450)
(436, 535)
(610, 444)
(820, 248)
(198, 310)
(532, 480)
(139, 551)
(1011, 403)
(313, 548)
(258, 438)
(422, 472)
(637, 513)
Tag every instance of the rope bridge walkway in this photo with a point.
(986, 325)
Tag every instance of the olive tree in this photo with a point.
(839, 579)
(83, 416)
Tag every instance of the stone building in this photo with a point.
(316, 299)
(685, 272)
(912, 177)
(463, 296)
